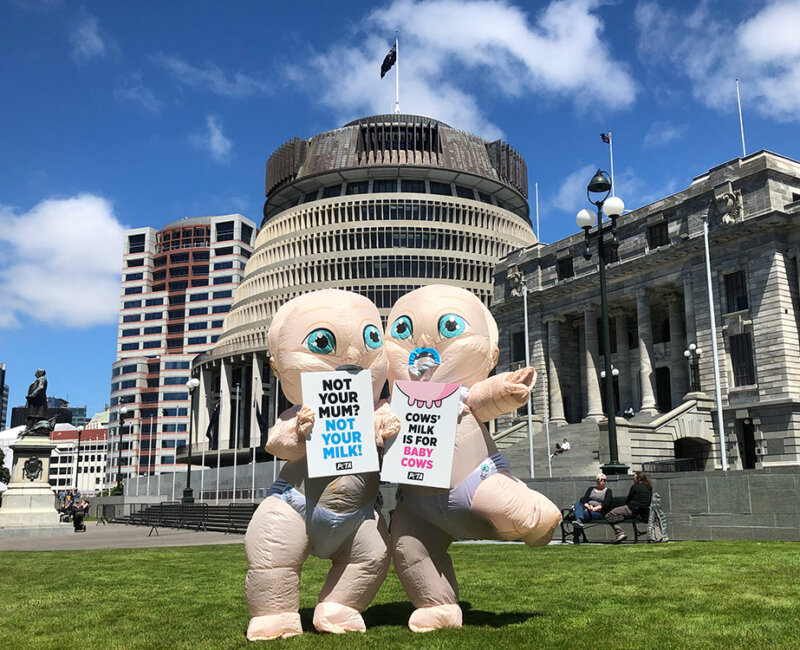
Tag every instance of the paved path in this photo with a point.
(117, 536)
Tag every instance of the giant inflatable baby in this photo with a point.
(445, 334)
(329, 517)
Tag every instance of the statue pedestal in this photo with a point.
(29, 503)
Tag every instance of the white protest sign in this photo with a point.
(342, 440)
(422, 453)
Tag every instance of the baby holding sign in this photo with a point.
(330, 517)
(445, 334)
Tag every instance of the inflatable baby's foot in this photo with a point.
(337, 619)
(274, 626)
(427, 619)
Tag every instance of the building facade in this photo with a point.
(3, 397)
(177, 286)
(381, 206)
(659, 306)
(78, 464)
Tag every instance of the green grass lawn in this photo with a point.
(678, 595)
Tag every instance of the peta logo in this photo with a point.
(347, 465)
(415, 476)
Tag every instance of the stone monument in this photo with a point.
(29, 503)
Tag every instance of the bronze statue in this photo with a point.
(37, 405)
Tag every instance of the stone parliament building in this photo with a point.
(658, 306)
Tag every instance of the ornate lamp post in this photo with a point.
(600, 185)
(188, 497)
(693, 356)
(123, 414)
(78, 458)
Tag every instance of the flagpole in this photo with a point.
(611, 154)
(275, 458)
(397, 74)
(741, 123)
(536, 186)
(253, 472)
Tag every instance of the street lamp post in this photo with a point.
(78, 458)
(613, 208)
(123, 414)
(692, 354)
(188, 497)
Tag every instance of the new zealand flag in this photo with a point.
(389, 61)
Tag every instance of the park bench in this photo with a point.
(638, 523)
(239, 516)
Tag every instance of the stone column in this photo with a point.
(257, 390)
(688, 307)
(646, 353)
(553, 363)
(594, 403)
(678, 368)
(626, 384)
(227, 402)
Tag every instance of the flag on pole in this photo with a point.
(211, 425)
(389, 61)
(606, 137)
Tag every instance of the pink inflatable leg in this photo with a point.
(359, 568)
(276, 545)
(425, 570)
(515, 511)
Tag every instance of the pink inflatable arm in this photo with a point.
(387, 424)
(287, 438)
(495, 396)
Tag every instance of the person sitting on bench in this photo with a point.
(592, 505)
(638, 502)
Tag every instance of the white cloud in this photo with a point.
(712, 50)
(213, 141)
(662, 133)
(571, 196)
(61, 262)
(131, 89)
(86, 40)
(448, 47)
(212, 78)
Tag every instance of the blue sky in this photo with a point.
(119, 115)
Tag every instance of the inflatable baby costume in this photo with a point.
(445, 334)
(330, 517)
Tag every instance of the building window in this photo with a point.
(177, 258)
(129, 346)
(610, 252)
(130, 332)
(657, 235)
(358, 188)
(175, 381)
(153, 315)
(441, 188)
(200, 269)
(417, 187)
(223, 279)
(127, 369)
(564, 268)
(384, 186)
(218, 266)
(216, 323)
(517, 346)
(247, 233)
(331, 191)
(153, 301)
(176, 397)
(136, 244)
(198, 311)
(149, 345)
(152, 330)
(225, 231)
(220, 309)
(132, 304)
(175, 343)
(195, 297)
(176, 365)
(132, 290)
(134, 276)
(736, 291)
(465, 192)
(222, 294)
(223, 250)
(131, 318)
(199, 256)
(197, 340)
(180, 285)
(174, 328)
(139, 262)
(201, 325)
(744, 372)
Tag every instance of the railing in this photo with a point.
(674, 465)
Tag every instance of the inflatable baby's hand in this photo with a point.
(518, 384)
(305, 420)
(387, 425)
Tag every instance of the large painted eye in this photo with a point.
(452, 325)
(372, 337)
(401, 329)
(321, 341)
